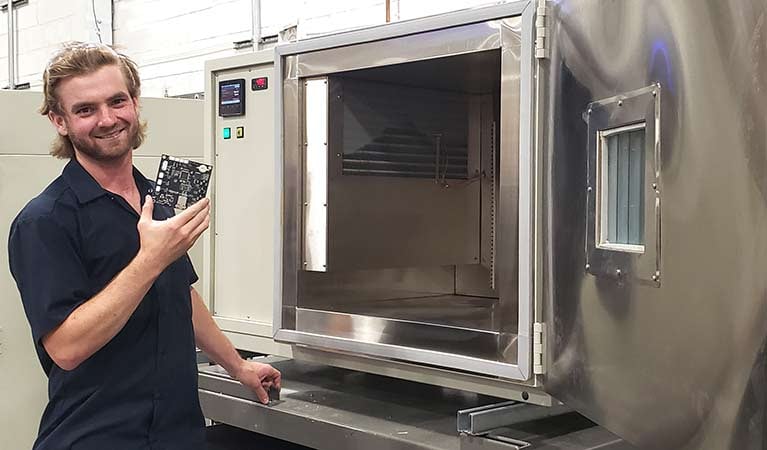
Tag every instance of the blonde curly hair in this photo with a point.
(82, 58)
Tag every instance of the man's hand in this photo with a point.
(259, 378)
(164, 241)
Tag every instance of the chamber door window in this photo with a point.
(621, 185)
(623, 191)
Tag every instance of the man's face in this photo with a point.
(97, 114)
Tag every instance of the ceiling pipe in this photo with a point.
(11, 46)
(256, 36)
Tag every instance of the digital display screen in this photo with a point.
(231, 98)
(259, 84)
(230, 94)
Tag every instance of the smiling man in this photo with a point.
(105, 278)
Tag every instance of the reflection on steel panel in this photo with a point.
(316, 157)
(681, 364)
(335, 409)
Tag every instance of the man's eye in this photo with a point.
(82, 111)
(118, 101)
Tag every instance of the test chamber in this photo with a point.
(511, 200)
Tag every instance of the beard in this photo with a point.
(109, 150)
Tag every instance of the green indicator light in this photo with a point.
(227, 133)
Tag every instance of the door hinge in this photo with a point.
(539, 345)
(541, 31)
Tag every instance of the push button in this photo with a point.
(240, 132)
(227, 133)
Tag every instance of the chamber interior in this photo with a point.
(412, 210)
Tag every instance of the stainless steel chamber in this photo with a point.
(401, 196)
(568, 196)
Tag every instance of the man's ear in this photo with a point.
(58, 122)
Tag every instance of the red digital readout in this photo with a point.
(259, 84)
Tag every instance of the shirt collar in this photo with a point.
(86, 188)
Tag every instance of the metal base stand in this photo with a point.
(327, 408)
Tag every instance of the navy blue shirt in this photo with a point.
(139, 391)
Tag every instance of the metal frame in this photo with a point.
(292, 64)
(636, 109)
(316, 184)
(483, 419)
(602, 189)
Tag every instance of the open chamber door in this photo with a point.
(406, 190)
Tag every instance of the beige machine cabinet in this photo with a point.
(240, 145)
(175, 127)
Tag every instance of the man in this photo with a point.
(105, 279)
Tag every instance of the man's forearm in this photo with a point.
(211, 340)
(94, 323)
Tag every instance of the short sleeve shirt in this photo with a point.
(139, 391)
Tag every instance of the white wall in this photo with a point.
(42, 25)
(171, 39)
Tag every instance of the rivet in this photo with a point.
(620, 102)
(654, 93)
(589, 111)
(655, 277)
(588, 266)
(618, 272)
(589, 189)
(655, 185)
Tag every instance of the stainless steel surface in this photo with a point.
(411, 354)
(640, 106)
(288, 192)
(469, 442)
(316, 178)
(680, 366)
(370, 226)
(334, 289)
(470, 38)
(405, 28)
(383, 222)
(330, 408)
(286, 107)
(515, 304)
(458, 311)
(566, 432)
(420, 323)
(465, 381)
(484, 419)
(475, 280)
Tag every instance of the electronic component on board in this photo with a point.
(180, 182)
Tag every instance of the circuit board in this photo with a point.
(180, 182)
